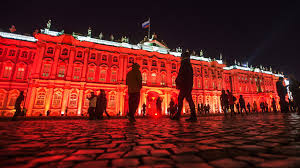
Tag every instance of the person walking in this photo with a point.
(242, 104)
(158, 106)
(92, 106)
(134, 83)
(249, 107)
(231, 100)
(18, 103)
(101, 105)
(184, 82)
(224, 102)
(172, 107)
(144, 109)
(281, 91)
(274, 105)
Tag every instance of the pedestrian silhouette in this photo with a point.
(92, 106)
(274, 105)
(101, 105)
(224, 102)
(18, 103)
(134, 83)
(295, 90)
(242, 104)
(144, 109)
(184, 82)
(281, 91)
(249, 107)
(158, 106)
(231, 100)
(172, 107)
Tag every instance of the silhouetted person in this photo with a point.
(202, 109)
(172, 107)
(134, 83)
(242, 104)
(262, 106)
(281, 91)
(224, 102)
(295, 89)
(158, 106)
(92, 106)
(184, 82)
(66, 111)
(144, 109)
(274, 105)
(266, 107)
(207, 108)
(249, 107)
(18, 103)
(48, 112)
(199, 109)
(101, 105)
(231, 100)
(237, 105)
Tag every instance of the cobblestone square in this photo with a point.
(255, 140)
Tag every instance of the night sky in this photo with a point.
(262, 33)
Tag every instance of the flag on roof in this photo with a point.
(146, 24)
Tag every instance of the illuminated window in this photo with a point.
(144, 77)
(163, 64)
(173, 66)
(102, 75)
(173, 81)
(154, 63)
(73, 100)
(91, 74)
(46, 70)
(93, 56)
(131, 60)
(50, 50)
(113, 76)
(104, 58)
(56, 101)
(7, 71)
(12, 53)
(20, 73)
(163, 79)
(40, 98)
(77, 72)
(65, 51)
(145, 62)
(153, 77)
(61, 71)
(79, 54)
(112, 101)
(24, 54)
(1, 51)
(199, 83)
(115, 59)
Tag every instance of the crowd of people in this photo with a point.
(184, 83)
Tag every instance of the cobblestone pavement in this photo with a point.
(256, 140)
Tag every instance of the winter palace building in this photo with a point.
(57, 72)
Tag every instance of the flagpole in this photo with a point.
(149, 30)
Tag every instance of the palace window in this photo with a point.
(12, 99)
(91, 74)
(102, 75)
(199, 83)
(173, 66)
(24, 54)
(40, 98)
(73, 100)
(93, 56)
(131, 60)
(163, 64)
(12, 53)
(153, 77)
(79, 54)
(46, 70)
(7, 71)
(61, 71)
(112, 100)
(1, 51)
(77, 73)
(115, 59)
(173, 80)
(104, 58)
(154, 63)
(20, 73)
(113, 76)
(145, 62)
(56, 101)
(144, 77)
(163, 79)
(50, 50)
(65, 51)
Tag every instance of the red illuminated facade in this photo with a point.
(58, 71)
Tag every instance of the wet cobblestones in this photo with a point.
(256, 140)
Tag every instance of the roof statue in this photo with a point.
(101, 36)
(193, 52)
(201, 53)
(49, 24)
(178, 49)
(12, 28)
(90, 32)
(221, 56)
(112, 37)
(235, 62)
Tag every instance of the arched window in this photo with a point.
(40, 99)
(199, 83)
(91, 72)
(1, 51)
(73, 100)
(173, 80)
(163, 79)
(79, 54)
(114, 76)
(153, 77)
(46, 69)
(56, 101)
(61, 71)
(50, 50)
(103, 75)
(12, 53)
(24, 54)
(77, 71)
(65, 51)
(7, 70)
(162, 64)
(145, 62)
(131, 60)
(115, 59)
(93, 56)
(144, 77)
(154, 63)
(20, 72)
(173, 66)
(104, 58)
(112, 100)
(12, 97)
